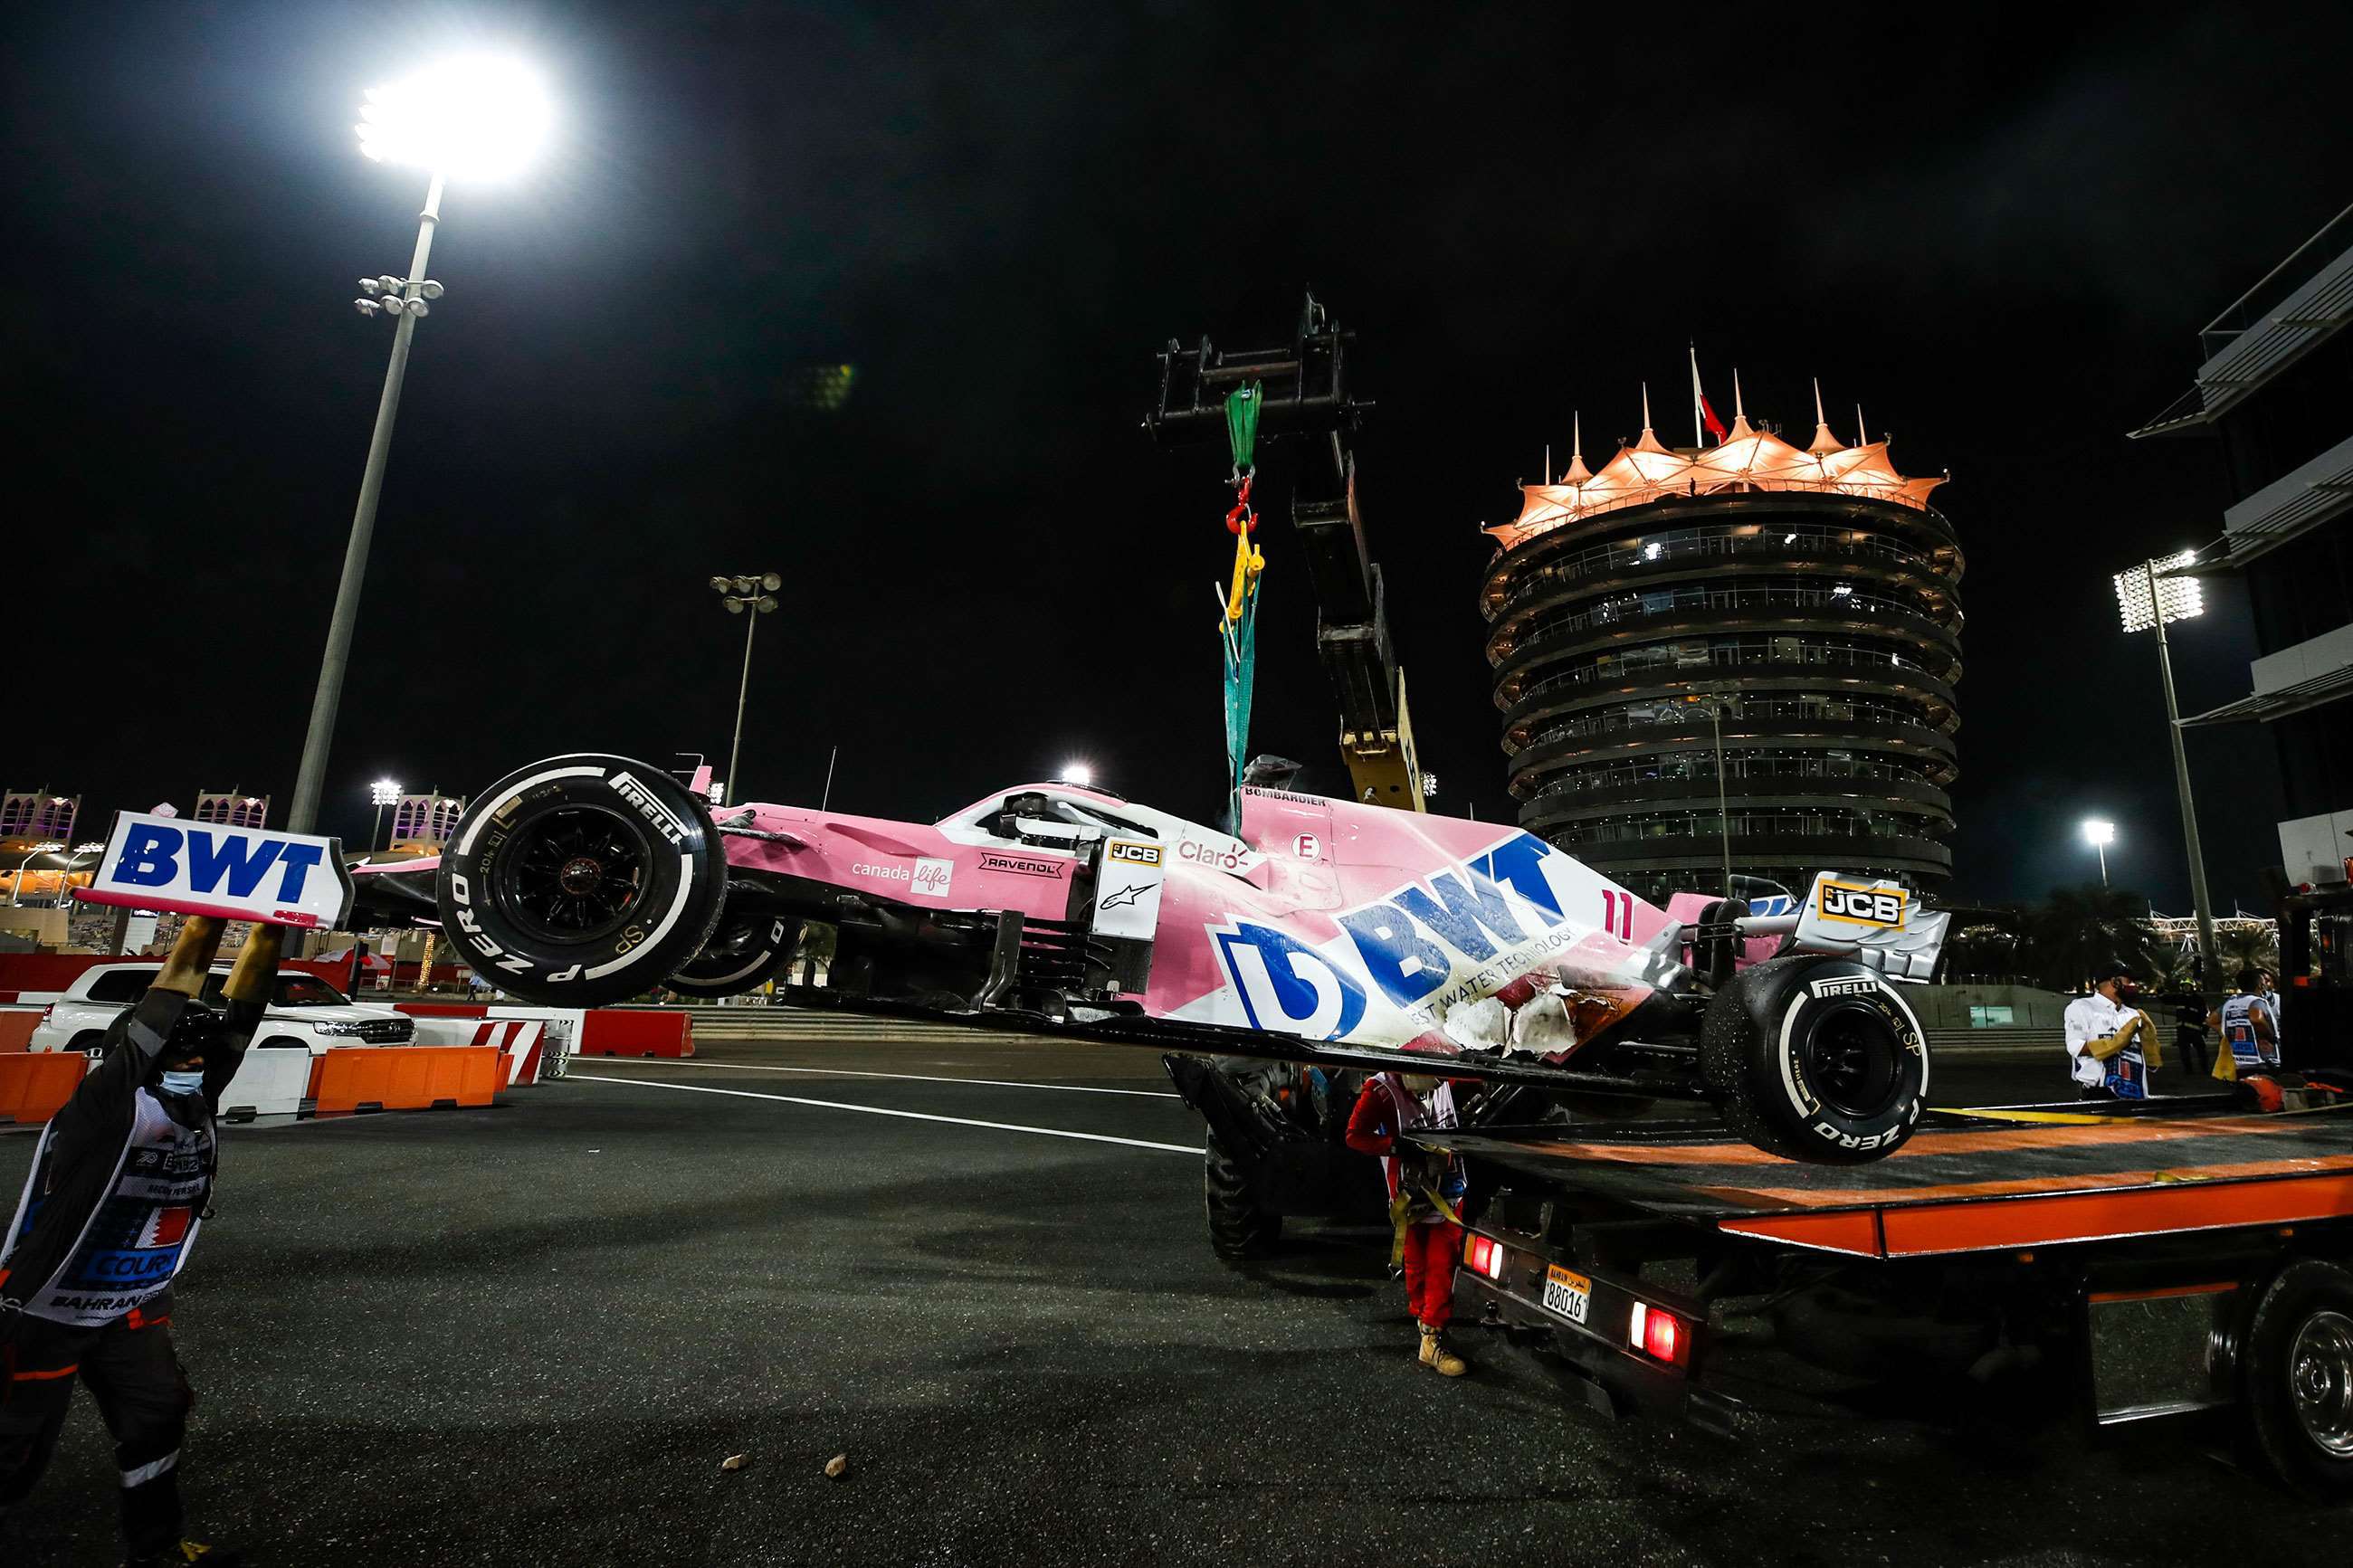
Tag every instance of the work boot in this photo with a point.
(185, 1554)
(1436, 1356)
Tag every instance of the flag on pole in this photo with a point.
(1702, 412)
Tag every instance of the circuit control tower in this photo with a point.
(1745, 639)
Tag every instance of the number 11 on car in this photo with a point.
(1618, 914)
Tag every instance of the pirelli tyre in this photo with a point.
(1817, 1058)
(582, 881)
(741, 952)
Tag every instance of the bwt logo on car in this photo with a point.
(151, 858)
(1404, 947)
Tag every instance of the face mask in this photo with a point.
(184, 1082)
(2126, 988)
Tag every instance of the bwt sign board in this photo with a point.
(211, 868)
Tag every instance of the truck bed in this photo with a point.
(1979, 1181)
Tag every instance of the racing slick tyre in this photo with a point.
(741, 954)
(1238, 1228)
(1815, 1058)
(2296, 1379)
(582, 881)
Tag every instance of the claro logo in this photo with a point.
(1210, 854)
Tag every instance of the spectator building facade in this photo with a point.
(37, 815)
(234, 809)
(422, 824)
(2275, 391)
(1794, 612)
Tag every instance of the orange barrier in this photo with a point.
(17, 1030)
(32, 1087)
(404, 1078)
(635, 1032)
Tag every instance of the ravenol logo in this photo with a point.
(1862, 906)
(151, 858)
(1403, 946)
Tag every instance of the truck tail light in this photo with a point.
(1484, 1255)
(1657, 1333)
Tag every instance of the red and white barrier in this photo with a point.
(525, 1034)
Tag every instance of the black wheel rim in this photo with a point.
(1852, 1060)
(573, 874)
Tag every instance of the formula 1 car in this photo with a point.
(1324, 932)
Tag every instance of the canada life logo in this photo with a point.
(1402, 948)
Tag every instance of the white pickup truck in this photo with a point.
(304, 1011)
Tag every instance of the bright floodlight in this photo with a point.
(1078, 774)
(2100, 833)
(2178, 597)
(383, 791)
(475, 116)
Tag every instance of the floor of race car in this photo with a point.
(531, 1334)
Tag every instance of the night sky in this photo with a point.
(1998, 234)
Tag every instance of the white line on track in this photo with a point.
(913, 1077)
(878, 1111)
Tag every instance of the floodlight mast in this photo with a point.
(478, 116)
(328, 698)
(2178, 599)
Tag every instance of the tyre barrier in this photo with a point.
(32, 1087)
(407, 1078)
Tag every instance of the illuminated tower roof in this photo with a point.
(1807, 598)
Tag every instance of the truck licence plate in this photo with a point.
(1566, 1293)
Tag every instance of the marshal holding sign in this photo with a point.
(212, 868)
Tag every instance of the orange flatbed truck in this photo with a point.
(2184, 1257)
(2166, 1259)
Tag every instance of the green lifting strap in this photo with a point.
(1241, 425)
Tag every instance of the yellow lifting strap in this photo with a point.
(1401, 1215)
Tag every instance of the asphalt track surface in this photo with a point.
(531, 1334)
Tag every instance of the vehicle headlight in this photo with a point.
(336, 1029)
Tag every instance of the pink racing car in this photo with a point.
(1325, 932)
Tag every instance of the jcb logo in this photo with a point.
(1135, 854)
(1864, 906)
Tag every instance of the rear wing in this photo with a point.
(1874, 921)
